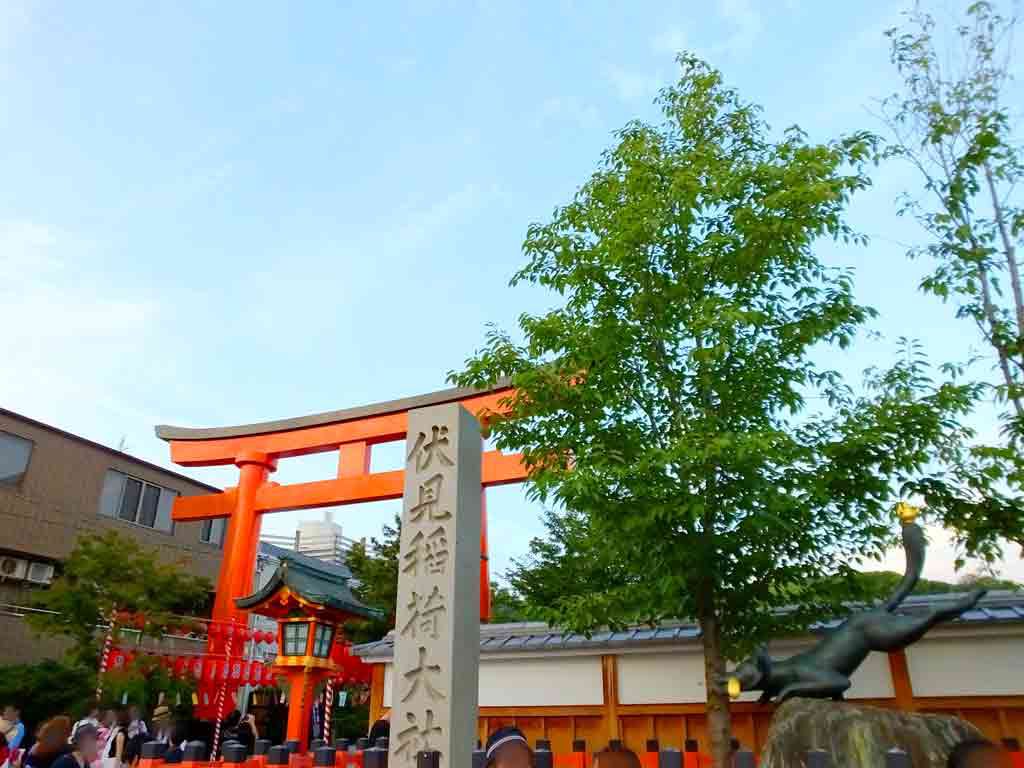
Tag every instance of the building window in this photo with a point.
(136, 501)
(295, 636)
(322, 641)
(213, 532)
(14, 455)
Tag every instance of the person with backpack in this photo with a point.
(114, 751)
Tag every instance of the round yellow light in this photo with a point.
(733, 687)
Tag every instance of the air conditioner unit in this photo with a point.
(13, 568)
(40, 573)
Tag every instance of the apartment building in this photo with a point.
(55, 487)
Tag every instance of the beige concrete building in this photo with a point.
(54, 487)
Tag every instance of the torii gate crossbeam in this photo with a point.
(256, 448)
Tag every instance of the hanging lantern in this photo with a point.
(197, 667)
(181, 666)
(256, 673)
(236, 671)
(213, 630)
(210, 667)
(243, 675)
(224, 670)
(242, 634)
(118, 660)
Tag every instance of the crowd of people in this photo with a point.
(103, 739)
(114, 739)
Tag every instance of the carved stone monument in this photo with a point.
(437, 626)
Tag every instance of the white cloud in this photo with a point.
(669, 41)
(939, 564)
(69, 339)
(746, 23)
(583, 116)
(632, 86)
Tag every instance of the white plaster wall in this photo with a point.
(967, 666)
(552, 680)
(658, 678)
(665, 678)
(535, 682)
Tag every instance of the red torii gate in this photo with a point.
(256, 448)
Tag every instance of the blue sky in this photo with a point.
(219, 213)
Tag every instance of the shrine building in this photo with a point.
(648, 683)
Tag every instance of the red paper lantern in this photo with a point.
(236, 671)
(197, 667)
(243, 634)
(181, 666)
(210, 670)
(117, 660)
(256, 673)
(213, 629)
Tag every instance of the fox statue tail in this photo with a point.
(913, 546)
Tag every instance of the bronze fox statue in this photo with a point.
(824, 671)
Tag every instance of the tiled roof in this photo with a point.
(279, 553)
(537, 636)
(314, 580)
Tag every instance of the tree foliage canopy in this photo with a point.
(670, 409)
(374, 567)
(952, 122)
(111, 572)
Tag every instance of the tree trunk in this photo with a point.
(719, 722)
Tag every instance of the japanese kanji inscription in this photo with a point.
(437, 635)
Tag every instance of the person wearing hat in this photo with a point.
(507, 748)
(84, 749)
(163, 724)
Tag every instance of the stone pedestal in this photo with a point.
(858, 736)
(437, 623)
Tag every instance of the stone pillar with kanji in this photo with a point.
(437, 627)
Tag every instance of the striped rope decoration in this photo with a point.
(222, 693)
(328, 708)
(105, 657)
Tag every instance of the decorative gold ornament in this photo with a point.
(907, 512)
(733, 687)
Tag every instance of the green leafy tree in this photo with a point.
(47, 689)
(506, 605)
(952, 122)
(375, 570)
(671, 400)
(878, 584)
(111, 572)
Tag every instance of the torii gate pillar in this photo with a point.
(241, 540)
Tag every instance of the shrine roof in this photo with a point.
(168, 432)
(313, 581)
(996, 607)
(279, 553)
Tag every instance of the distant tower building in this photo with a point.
(322, 540)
